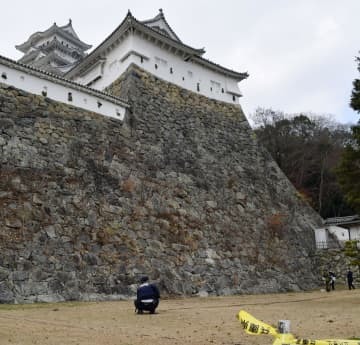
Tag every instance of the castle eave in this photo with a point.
(239, 76)
(61, 81)
(131, 25)
(54, 29)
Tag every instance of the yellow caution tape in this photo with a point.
(252, 325)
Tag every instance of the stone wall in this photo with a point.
(180, 191)
(334, 260)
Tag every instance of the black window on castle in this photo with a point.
(198, 86)
(171, 70)
(70, 97)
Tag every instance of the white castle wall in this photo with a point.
(340, 233)
(167, 66)
(355, 232)
(321, 237)
(109, 70)
(59, 90)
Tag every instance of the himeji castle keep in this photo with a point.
(56, 64)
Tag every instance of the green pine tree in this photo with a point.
(353, 252)
(348, 171)
(355, 94)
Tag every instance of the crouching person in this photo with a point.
(147, 297)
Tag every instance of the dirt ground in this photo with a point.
(191, 321)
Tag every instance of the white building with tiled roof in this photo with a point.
(55, 65)
(154, 46)
(340, 229)
(38, 82)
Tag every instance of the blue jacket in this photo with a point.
(147, 291)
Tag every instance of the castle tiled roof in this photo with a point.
(130, 23)
(161, 18)
(165, 35)
(65, 31)
(342, 220)
(229, 72)
(61, 81)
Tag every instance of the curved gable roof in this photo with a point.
(131, 23)
(159, 23)
(69, 29)
(159, 29)
(66, 31)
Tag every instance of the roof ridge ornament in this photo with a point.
(129, 17)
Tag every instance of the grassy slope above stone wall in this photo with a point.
(181, 192)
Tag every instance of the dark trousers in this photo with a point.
(351, 285)
(150, 307)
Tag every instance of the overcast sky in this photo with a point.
(300, 54)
